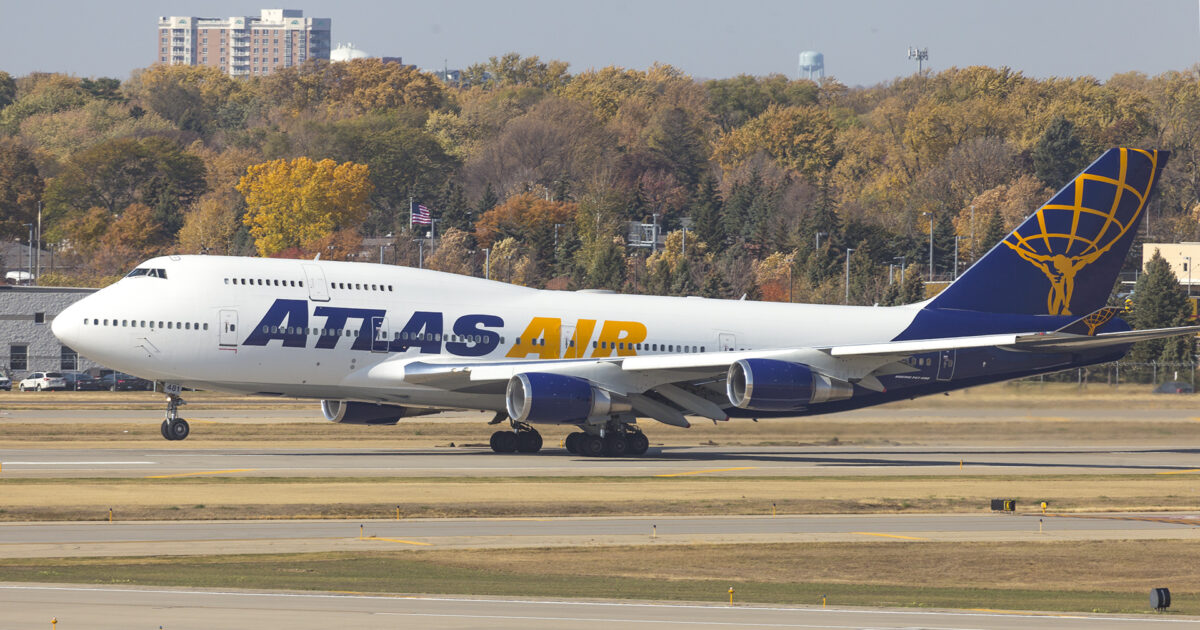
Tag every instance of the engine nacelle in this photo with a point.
(771, 385)
(538, 397)
(349, 412)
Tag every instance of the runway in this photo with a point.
(109, 608)
(24, 540)
(554, 461)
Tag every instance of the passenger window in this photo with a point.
(106, 322)
(168, 325)
(206, 327)
(226, 280)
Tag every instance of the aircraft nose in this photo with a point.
(66, 326)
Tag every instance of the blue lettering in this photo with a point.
(282, 317)
(336, 318)
(470, 326)
(423, 330)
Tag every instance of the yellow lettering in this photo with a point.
(580, 340)
(542, 338)
(614, 333)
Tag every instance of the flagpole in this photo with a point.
(410, 213)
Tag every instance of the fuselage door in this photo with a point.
(318, 290)
(229, 333)
(726, 342)
(946, 364)
(379, 334)
(567, 336)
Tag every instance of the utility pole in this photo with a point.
(819, 235)
(920, 55)
(902, 266)
(1189, 263)
(930, 244)
(848, 252)
(38, 265)
(30, 226)
(956, 237)
(487, 263)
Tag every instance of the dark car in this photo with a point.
(121, 382)
(80, 382)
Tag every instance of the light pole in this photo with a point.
(819, 235)
(1189, 259)
(902, 266)
(974, 243)
(930, 244)
(956, 237)
(556, 226)
(848, 252)
(30, 226)
(487, 263)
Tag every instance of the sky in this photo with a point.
(864, 42)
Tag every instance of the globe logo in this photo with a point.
(1079, 226)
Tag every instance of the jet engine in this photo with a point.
(348, 412)
(770, 385)
(557, 399)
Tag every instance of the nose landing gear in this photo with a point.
(174, 427)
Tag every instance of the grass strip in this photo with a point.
(1004, 576)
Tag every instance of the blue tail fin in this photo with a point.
(1064, 259)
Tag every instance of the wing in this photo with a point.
(668, 387)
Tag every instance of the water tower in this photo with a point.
(812, 65)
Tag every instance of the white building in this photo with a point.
(1181, 257)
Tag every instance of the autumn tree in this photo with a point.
(20, 189)
(1059, 153)
(511, 69)
(453, 253)
(152, 171)
(191, 97)
(295, 203)
(529, 219)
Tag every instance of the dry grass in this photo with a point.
(1113, 576)
(254, 497)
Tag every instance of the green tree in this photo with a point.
(1160, 302)
(1059, 153)
(8, 89)
(20, 189)
(706, 212)
(115, 174)
(675, 137)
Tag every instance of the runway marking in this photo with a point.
(600, 604)
(888, 535)
(397, 540)
(701, 472)
(203, 472)
(620, 620)
(1148, 519)
(142, 463)
(1178, 472)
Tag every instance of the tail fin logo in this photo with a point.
(1070, 234)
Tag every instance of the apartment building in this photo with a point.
(244, 45)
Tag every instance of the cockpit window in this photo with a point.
(152, 273)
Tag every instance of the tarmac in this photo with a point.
(117, 608)
(555, 461)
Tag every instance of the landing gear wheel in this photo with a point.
(615, 445)
(638, 443)
(178, 429)
(504, 442)
(529, 441)
(590, 445)
(572, 442)
(163, 430)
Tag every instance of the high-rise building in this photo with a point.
(243, 45)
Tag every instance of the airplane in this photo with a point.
(379, 343)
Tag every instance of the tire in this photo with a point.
(504, 442)
(572, 442)
(529, 441)
(616, 445)
(590, 445)
(163, 430)
(638, 443)
(179, 429)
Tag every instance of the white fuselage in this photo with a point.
(317, 328)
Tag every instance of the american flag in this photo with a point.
(420, 216)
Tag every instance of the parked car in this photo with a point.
(5, 382)
(80, 381)
(39, 381)
(122, 382)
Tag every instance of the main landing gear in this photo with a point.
(619, 441)
(174, 427)
(522, 439)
